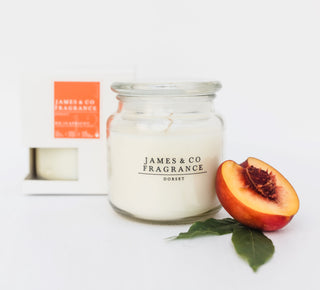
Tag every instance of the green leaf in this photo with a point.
(252, 245)
(210, 227)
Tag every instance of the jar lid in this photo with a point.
(176, 89)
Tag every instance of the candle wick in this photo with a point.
(170, 122)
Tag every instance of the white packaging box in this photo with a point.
(64, 116)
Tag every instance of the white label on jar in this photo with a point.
(163, 177)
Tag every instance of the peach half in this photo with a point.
(256, 194)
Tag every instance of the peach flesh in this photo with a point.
(261, 198)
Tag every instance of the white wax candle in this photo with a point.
(168, 176)
(56, 163)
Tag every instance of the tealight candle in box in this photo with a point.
(63, 116)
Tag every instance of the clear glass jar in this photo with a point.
(164, 148)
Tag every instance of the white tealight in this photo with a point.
(56, 163)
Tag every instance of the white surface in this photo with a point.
(265, 53)
(69, 242)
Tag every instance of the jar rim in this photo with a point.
(176, 89)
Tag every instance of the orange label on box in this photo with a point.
(76, 110)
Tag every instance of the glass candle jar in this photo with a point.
(164, 148)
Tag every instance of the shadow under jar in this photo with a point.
(164, 149)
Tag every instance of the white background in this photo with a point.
(265, 53)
